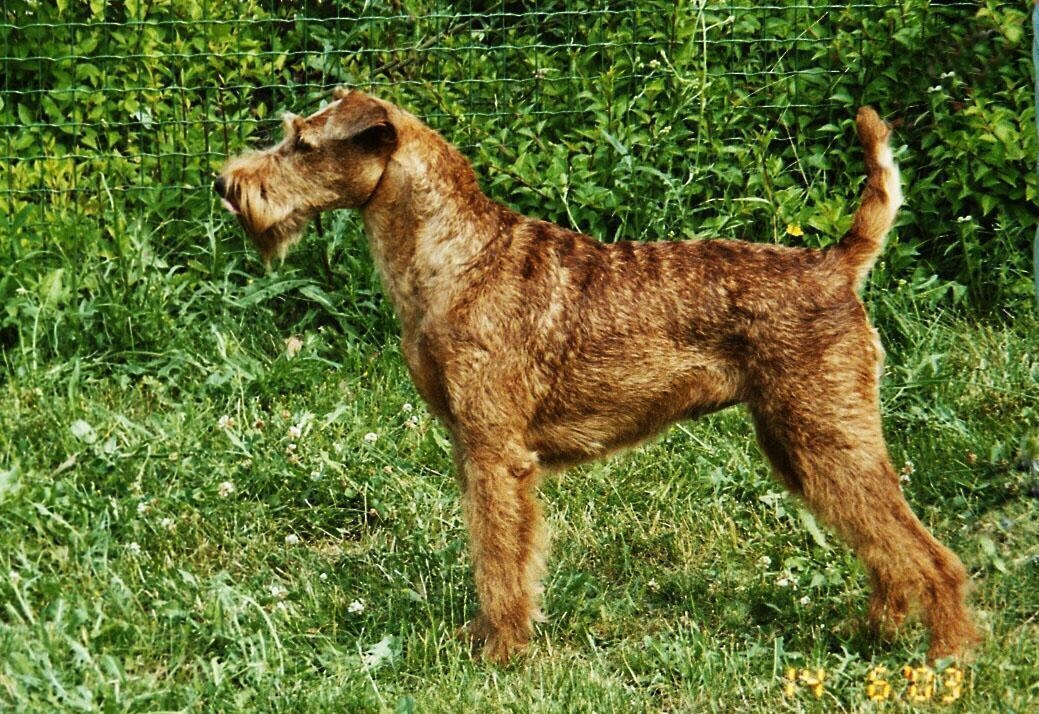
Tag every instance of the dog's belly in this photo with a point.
(588, 423)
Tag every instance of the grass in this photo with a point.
(220, 492)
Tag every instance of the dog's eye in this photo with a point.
(301, 144)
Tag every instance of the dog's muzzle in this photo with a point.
(220, 186)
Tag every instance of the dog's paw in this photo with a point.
(957, 641)
(492, 644)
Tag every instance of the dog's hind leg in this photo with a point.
(823, 437)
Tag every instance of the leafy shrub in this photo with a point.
(653, 122)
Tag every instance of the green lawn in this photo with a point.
(220, 492)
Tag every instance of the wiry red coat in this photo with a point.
(539, 347)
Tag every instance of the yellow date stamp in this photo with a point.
(917, 684)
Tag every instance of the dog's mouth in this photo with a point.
(227, 198)
(233, 209)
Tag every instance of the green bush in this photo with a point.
(654, 122)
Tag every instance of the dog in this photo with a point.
(538, 348)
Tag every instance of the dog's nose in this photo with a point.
(220, 186)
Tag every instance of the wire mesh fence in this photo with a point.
(112, 112)
(135, 103)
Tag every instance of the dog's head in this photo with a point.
(333, 158)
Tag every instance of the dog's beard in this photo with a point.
(272, 230)
(274, 241)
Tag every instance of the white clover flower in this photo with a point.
(805, 600)
(323, 577)
(143, 507)
(14, 577)
(134, 549)
(908, 469)
(295, 432)
(225, 489)
(371, 437)
(411, 422)
(277, 591)
(225, 422)
(167, 523)
(292, 347)
(356, 607)
(407, 407)
(785, 580)
(764, 561)
(291, 539)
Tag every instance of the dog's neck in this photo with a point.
(426, 224)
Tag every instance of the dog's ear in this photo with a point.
(361, 119)
(291, 124)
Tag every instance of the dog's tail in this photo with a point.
(858, 250)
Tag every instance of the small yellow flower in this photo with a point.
(794, 229)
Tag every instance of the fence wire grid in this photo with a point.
(128, 108)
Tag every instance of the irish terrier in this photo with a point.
(539, 348)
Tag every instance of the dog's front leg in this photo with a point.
(507, 543)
